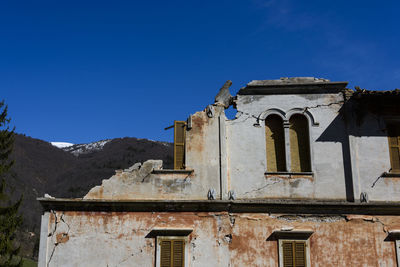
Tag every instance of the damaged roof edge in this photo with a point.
(238, 206)
(267, 87)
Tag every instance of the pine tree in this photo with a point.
(9, 218)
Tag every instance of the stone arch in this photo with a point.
(271, 111)
(305, 112)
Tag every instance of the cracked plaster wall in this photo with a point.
(247, 150)
(218, 239)
(371, 159)
(139, 182)
(231, 155)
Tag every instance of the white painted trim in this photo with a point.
(397, 243)
(304, 112)
(275, 111)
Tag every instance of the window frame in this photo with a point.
(182, 145)
(396, 124)
(307, 249)
(284, 137)
(311, 122)
(169, 238)
(308, 139)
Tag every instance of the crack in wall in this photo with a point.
(310, 218)
(258, 119)
(52, 234)
(323, 105)
(127, 258)
(261, 188)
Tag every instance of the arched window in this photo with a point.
(299, 144)
(275, 142)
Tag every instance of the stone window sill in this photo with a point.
(291, 173)
(171, 171)
(391, 174)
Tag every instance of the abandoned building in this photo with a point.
(307, 174)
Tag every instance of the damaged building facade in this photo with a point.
(307, 174)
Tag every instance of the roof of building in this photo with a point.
(363, 92)
(292, 85)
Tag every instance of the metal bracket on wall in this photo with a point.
(231, 195)
(211, 195)
(210, 111)
(364, 197)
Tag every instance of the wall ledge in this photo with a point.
(171, 171)
(289, 206)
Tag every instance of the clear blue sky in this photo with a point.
(81, 71)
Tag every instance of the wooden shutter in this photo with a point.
(275, 142)
(394, 146)
(288, 257)
(294, 253)
(178, 253)
(172, 253)
(179, 144)
(299, 144)
(165, 257)
(300, 254)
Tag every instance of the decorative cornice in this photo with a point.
(234, 206)
(293, 88)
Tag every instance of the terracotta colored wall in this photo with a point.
(218, 239)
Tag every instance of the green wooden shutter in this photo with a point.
(288, 257)
(275, 142)
(178, 253)
(394, 146)
(165, 257)
(179, 144)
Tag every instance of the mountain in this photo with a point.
(70, 171)
(61, 144)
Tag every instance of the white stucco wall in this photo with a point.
(247, 150)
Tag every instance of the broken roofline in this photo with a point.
(267, 88)
(236, 206)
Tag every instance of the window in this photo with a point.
(293, 253)
(179, 144)
(394, 146)
(394, 235)
(172, 246)
(299, 144)
(287, 144)
(172, 252)
(275, 142)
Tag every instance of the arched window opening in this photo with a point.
(275, 142)
(299, 144)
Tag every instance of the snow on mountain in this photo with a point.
(61, 144)
(86, 148)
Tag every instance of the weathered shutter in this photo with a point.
(178, 253)
(179, 144)
(299, 144)
(275, 142)
(165, 255)
(394, 146)
(300, 254)
(288, 257)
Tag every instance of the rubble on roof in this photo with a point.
(224, 97)
(288, 80)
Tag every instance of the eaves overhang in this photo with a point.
(265, 88)
(235, 206)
